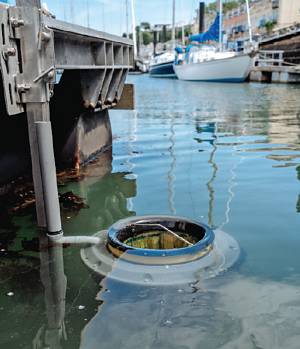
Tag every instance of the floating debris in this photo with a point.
(72, 202)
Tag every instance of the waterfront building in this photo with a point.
(288, 12)
(266, 15)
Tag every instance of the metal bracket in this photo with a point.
(34, 46)
(9, 65)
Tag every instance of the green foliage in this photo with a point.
(227, 6)
(145, 25)
(187, 32)
(147, 38)
(230, 5)
(269, 26)
(212, 7)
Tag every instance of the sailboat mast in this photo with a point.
(173, 23)
(88, 13)
(220, 25)
(72, 11)
(127, 25)
(133, 28)
(249, 21)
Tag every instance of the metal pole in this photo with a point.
(173, 23)
(88, 13)
(127, 22)
(220, 26)
(48, 175)
(201, 17)
(72, 11)
(133, 28)
(37, 112)
(182, 34)
(154, 42)
(249, 21)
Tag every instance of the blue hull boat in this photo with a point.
(162, 70)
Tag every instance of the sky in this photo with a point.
(110, 15)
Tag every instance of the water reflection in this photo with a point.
(53, 333)
(212, 127)
(223, 155)
(298, 202)
(105, 193)
(213, 314)
(171, 176)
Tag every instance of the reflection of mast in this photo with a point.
(209, 184)
(232, 184)
(171, 176)
(54, 281)
(131, 140)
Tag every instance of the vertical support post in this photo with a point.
(37, 57)
(37, 112)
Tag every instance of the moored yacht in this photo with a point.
(162, 65)
(207, 62)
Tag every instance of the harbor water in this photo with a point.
(227, 155)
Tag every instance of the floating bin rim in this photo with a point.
(116, 246)
(165, 271)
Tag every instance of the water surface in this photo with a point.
(225, 154)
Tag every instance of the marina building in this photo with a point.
(266, 15)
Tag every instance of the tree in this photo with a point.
(269, 26)
(145, 25)
(227, 6)
(147, 38)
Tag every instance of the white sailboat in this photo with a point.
(211, 63)
(162, 65)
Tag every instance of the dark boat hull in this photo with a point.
(162, 70)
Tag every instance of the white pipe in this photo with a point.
(48, 176)
(221, 26)
(249, 20)
(133, 27)
(75, 240)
